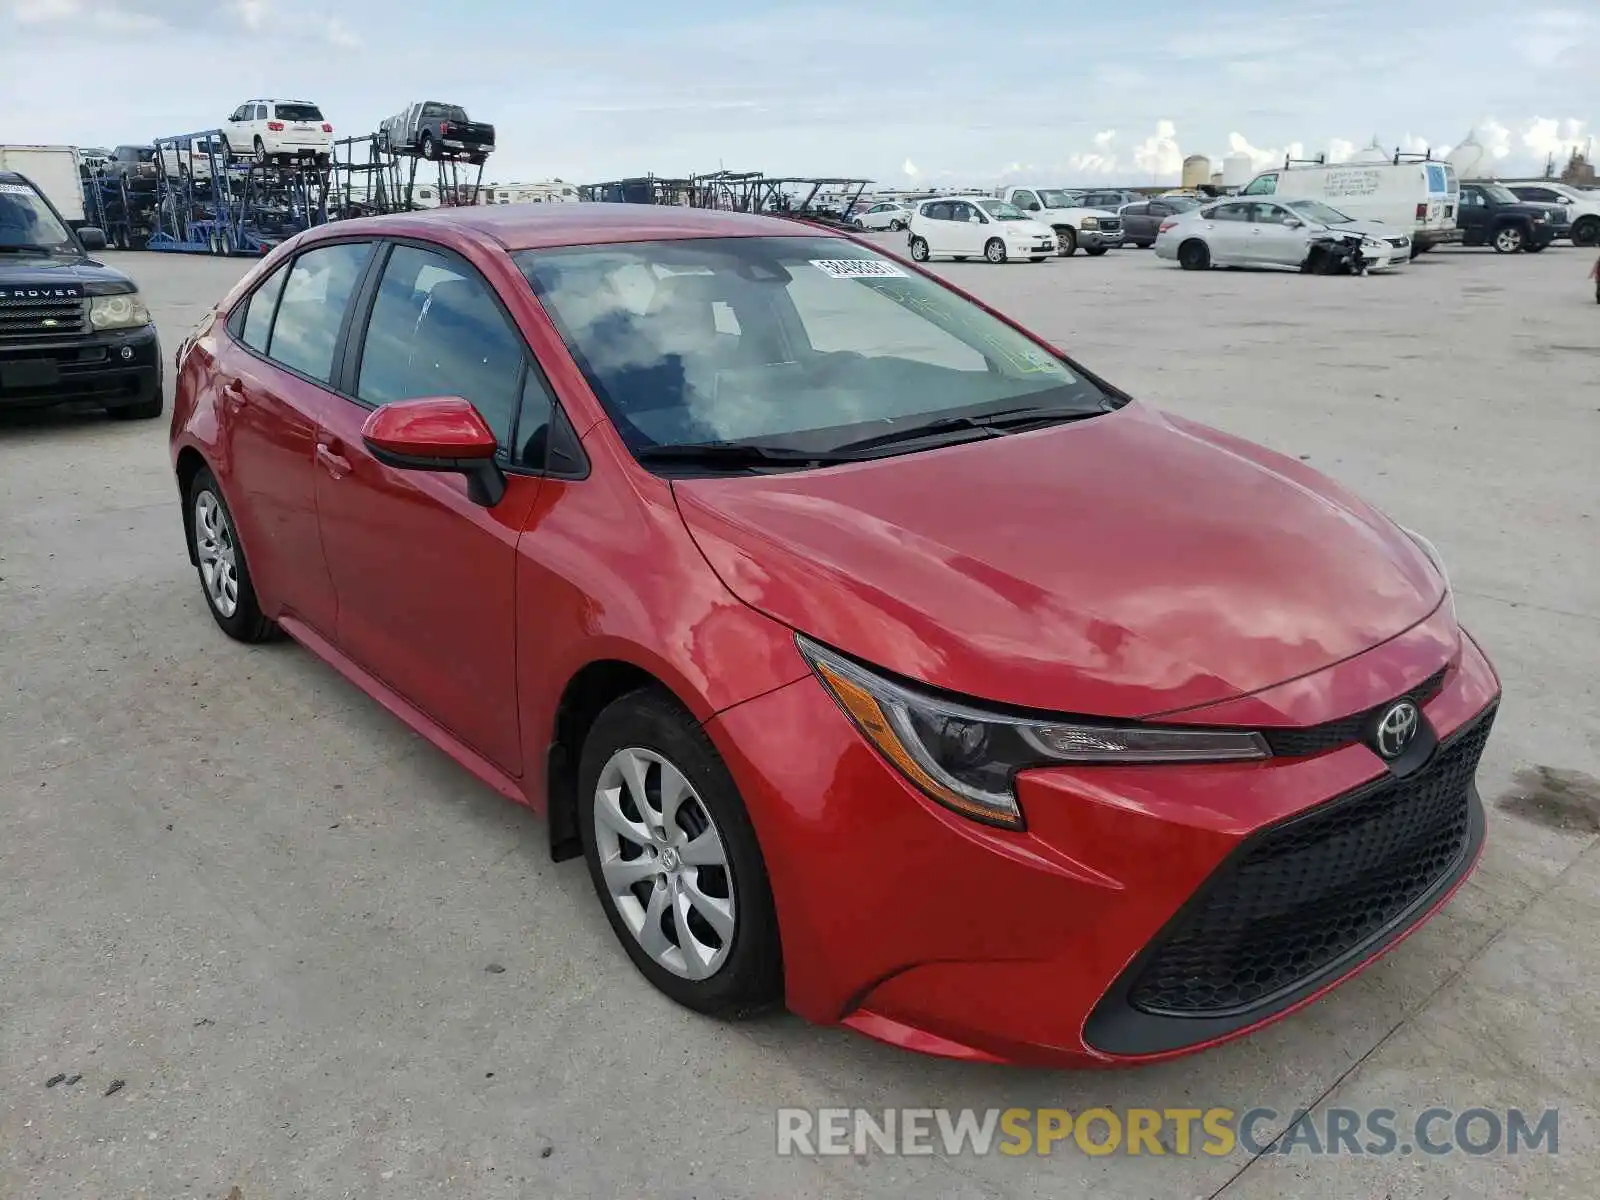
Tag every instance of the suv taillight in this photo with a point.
(326, 128)
(275, 126)
(1422, 212)
(444, 128)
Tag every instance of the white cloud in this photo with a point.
(1548, 137)
(1158, 155)
(252, 12)
(1340, 150)
(336, 32)
(909, 168)
(44, 12)
(1103, 139)
(1239, 144)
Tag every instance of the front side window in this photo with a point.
(1267, 185)
(28, 224)
(436, 330)
(1024, 200)
(827, 342)
(315, 297)
(1001, 211)
(1058, 199)
(1499, 193)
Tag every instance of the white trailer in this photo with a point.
(54, 171)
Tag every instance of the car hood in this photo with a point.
(29, 271)
(1371, 229)
(1123, 566)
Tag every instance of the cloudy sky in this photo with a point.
(934, 91)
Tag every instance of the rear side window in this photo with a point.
(1437, 184)
(315, 296)
(297, 112)
(436, 330)
(256, 327)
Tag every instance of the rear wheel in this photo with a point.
(224, 574)
(1194, 256)
(426, 147)
(919, 249)
(1508, 240)
(896, 226)
(261, 151)
(995, 251)
(675, 860)
(1586, 231)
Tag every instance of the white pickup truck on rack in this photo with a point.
(1075, 226)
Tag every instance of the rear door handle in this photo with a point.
(337, 466)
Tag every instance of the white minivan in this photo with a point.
(962, 227)
(1420, 198)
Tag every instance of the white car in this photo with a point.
(279, 130)
(962, 227)
(1271, 233)
(1582, 207)
(885, 214)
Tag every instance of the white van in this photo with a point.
(1419, 198)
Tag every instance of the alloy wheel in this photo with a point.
(664, 863)
(218, 553)
(1508, 240)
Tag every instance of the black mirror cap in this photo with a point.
(92, 238)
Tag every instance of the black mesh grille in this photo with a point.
(33, 318)
(1314, 889)
(1330, 735)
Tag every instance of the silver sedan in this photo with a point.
(1270, 233)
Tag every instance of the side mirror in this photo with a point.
(1291, 223)
(438, 433)
(975, 219)
(92, 238)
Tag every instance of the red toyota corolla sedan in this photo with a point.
(875, 655)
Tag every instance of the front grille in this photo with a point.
(1110, 224)
(30, 318)
(1314, 890)
(1397, 241)
(1331, 735)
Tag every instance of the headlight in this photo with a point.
(125, 311)
(965, 758)
(1432, 552)
(1091, 223)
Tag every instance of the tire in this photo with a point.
(202, 510)
(896, 226)
(261, 152)
(1037, 259)
(1067, 241)
(960, 257)
(995, 251)
(1535, 247)
(145, 410)
(734, 964)
(1194, 255)
(226, 147)
(1096, 251)
(1586, 231)
(426, 147)
(322, 162)
(859, 224)
(1508, 240)
(919, 250)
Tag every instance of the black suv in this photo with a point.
(70, 328)
(1491, 215)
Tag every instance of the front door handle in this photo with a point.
(233, 392)
(336, 465)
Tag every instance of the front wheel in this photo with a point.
(995, 251)
(224, 574)
(1068, 242)
(427, 148)
(261, 152)
(1535, 247)
(1508, 240)
(896, 226)
(674, 858)
(1096, 251)
(919, 250)
(1586, 231)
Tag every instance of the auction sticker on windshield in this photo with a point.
(19, 189)
(858, 268)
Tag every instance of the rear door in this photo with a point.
(1227, 231)
(274, 374)
(425, 577)
(1137, 222)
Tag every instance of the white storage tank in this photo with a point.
(1196, 170)
(1470, 160)
(1237, 169)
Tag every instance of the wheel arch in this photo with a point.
(190, 462)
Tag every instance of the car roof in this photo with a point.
(543, 226)
(12, 177)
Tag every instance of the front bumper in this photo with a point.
(114, 368)
(1030, 247)
(1094, 239)
(1546, 233)
(913, 925)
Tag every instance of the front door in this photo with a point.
(967, 230)
(1272, 241)
(425, 577)
(1474, 217)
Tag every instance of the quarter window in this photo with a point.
(315, 297)
(258, 310)
(436, 330)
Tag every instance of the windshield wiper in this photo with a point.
(1006, 418)
(5, 249)
(739, 454)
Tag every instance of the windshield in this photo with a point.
(1500, 194)
(1052, 198)
(1320, 212)
(1001, 211)
(803, 342)
(297, 112)
(26, 221)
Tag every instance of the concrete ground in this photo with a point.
(325, 963)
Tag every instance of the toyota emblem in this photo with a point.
(1396, 729)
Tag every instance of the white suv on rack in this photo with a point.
(279, 130)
